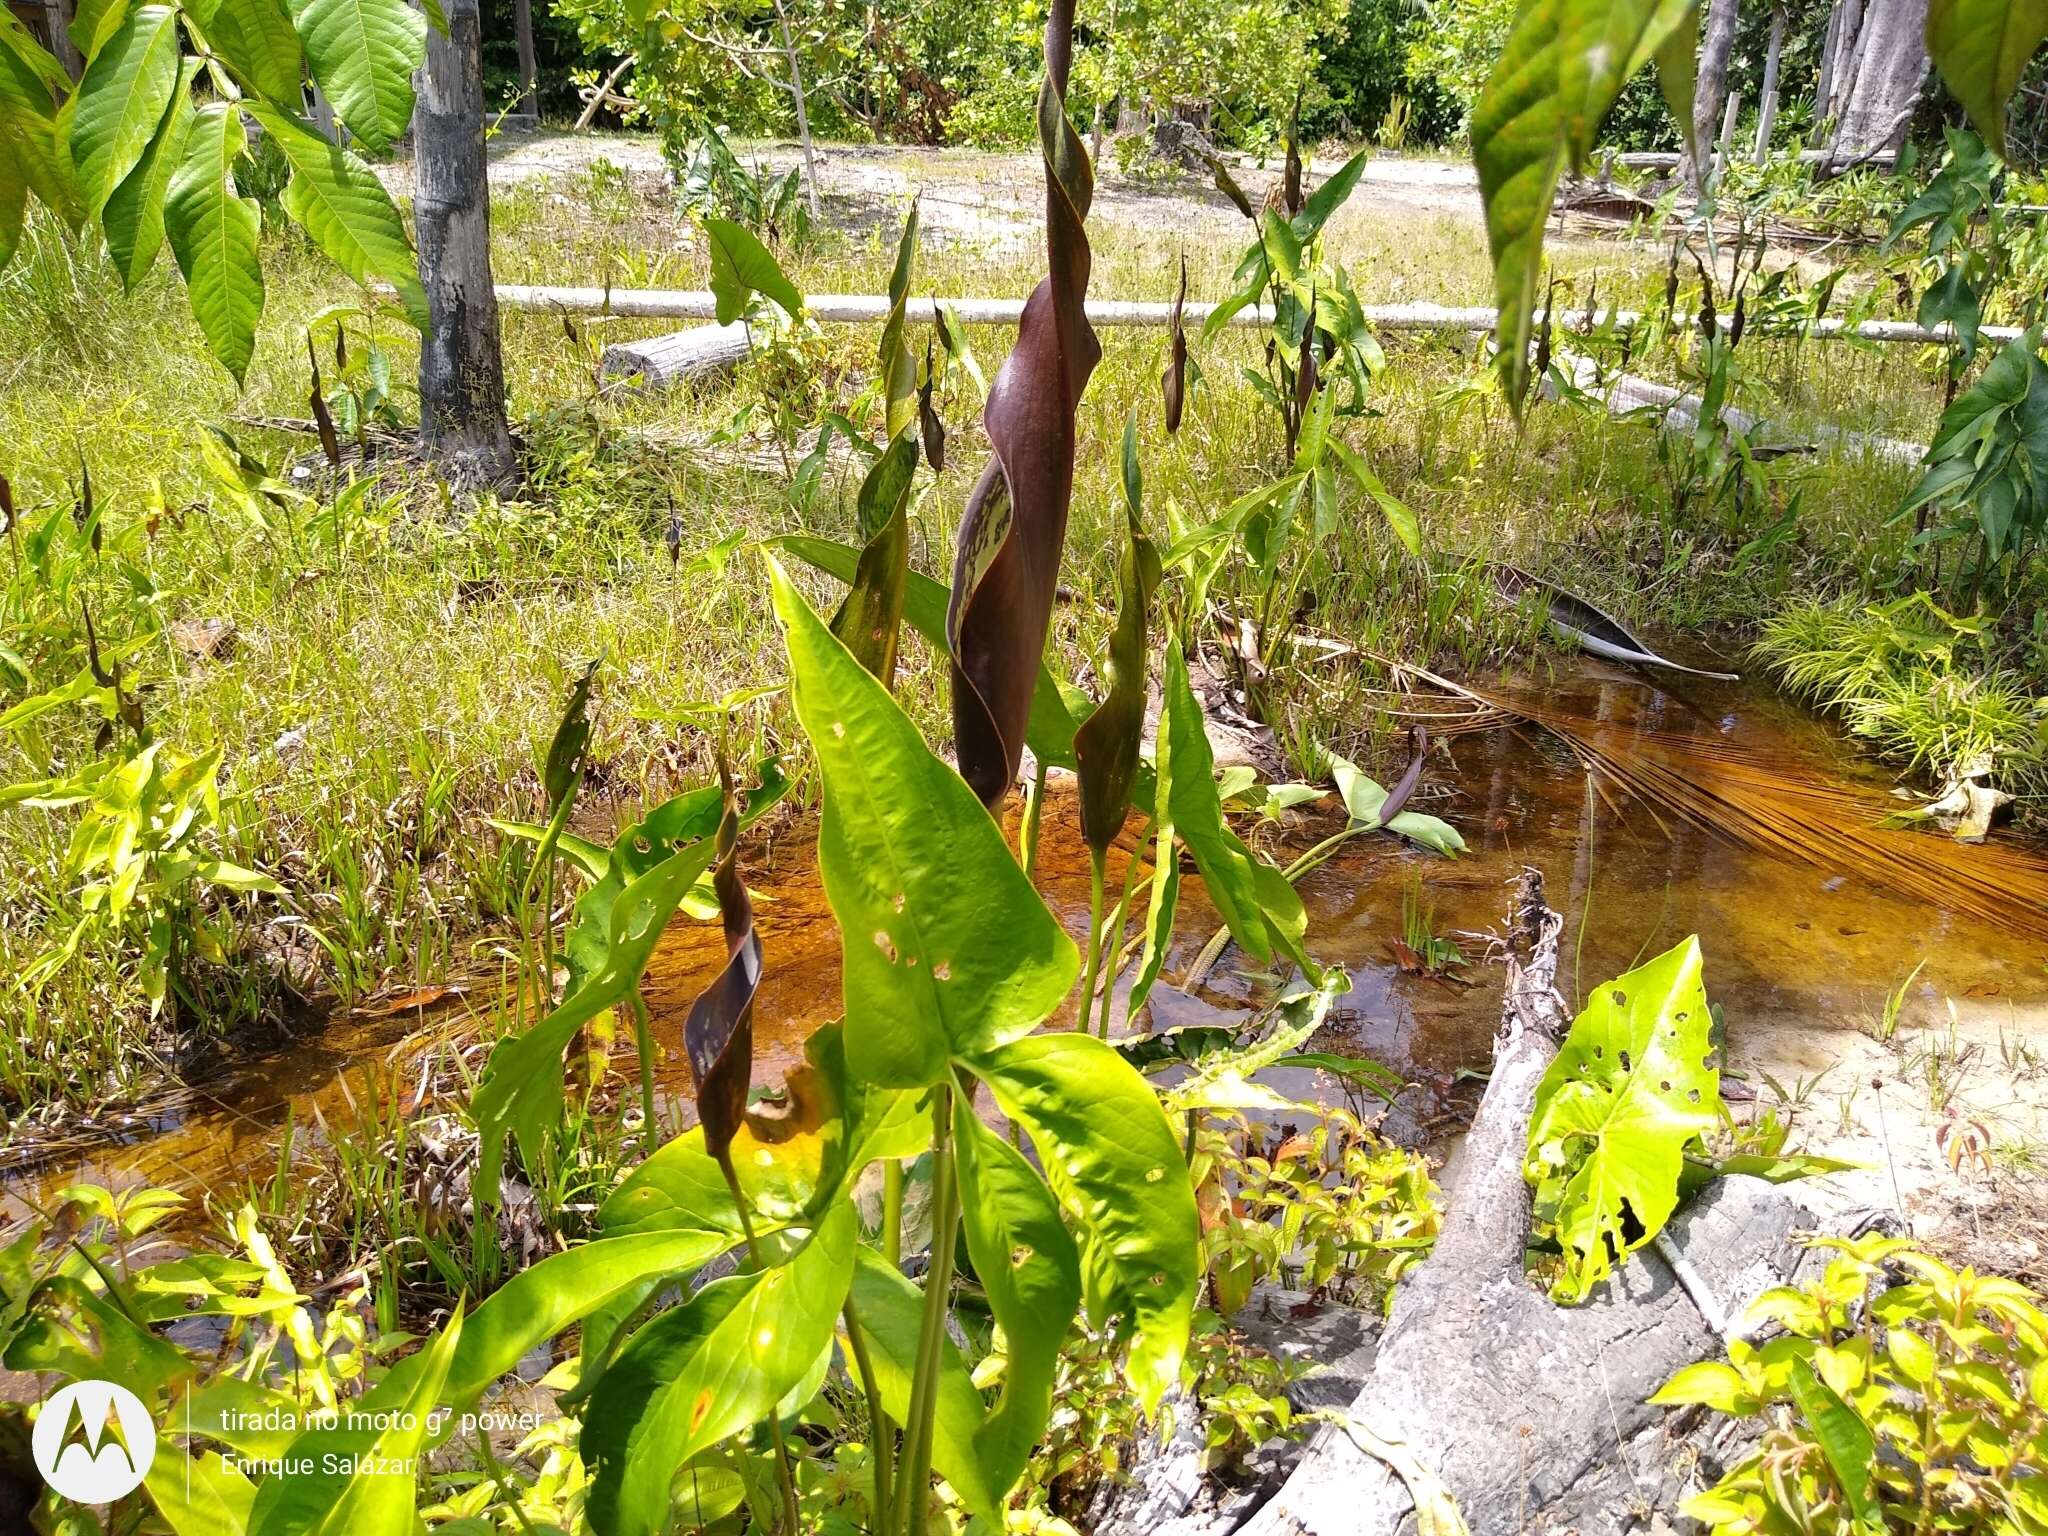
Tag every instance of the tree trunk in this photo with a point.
(1767, 101)
(1883, 85)
(1712, 87)
(522, 26)
(462, 369)
(57, 17)
(803, 114)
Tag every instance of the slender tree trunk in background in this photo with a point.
(1767, 102)
(1711, 91)
(522, 26)
(462, 370)
(803, 114)
(57, 16)
(1890, 67)
(1824, 81)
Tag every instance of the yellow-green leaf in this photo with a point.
(363, 54)
(121, 101)
(134, 217)
(1981, 48)
(213, 234)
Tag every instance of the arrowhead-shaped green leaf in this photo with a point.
(121, 101)
(134, 216)
(1126, 1189)
(1981, 48)
(363, 54)
(213, 235)
(948, 950)
(707, 1369)
(1632, 1085)
(338, 200)
(741, 265)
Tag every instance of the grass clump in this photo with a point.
(1923, 686)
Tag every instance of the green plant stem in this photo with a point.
(782, 1462)
(914, 1471)
(892, 1212)
(1084, 1013)
(1027, 832)
(643, 1040)
(1113, 932)
(881, 1435)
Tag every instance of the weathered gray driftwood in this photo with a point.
(1521, 1408)
(702, 351)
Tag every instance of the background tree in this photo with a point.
(462, 370)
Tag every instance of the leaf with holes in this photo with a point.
(710, 1368)
(1631, 1088)
(1127, 1194)
(948, 950)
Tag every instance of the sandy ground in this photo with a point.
(986, 199)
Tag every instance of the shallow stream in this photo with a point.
(1798, 947)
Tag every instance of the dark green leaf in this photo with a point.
(1845, 1440)
(1106, 745)
(134, 216)
(213, 234)
(363, 54)
(741, 266)
(1982, 48)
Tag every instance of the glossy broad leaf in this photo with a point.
(708, 1369)
(1050, 730)
(1006, 569)
(200, 1493)
(889, 1311)
(1030, 1271)
(1982, 48)
(948, 950)
(1260, 908)
(1127, 1193)
(1631, 1087)
(133, 219)
(719, 1032)
(363, 54)
(340, 203)
(1561, 68)
(122, 100)
(520, 1092)
(214, 232)
(741, 266)
(256, 40)
(1106, 746)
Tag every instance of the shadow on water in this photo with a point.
(1790, 933)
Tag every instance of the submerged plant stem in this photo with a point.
(914, 1472)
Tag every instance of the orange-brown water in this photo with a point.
(1798, 936)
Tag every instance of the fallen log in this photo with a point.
(1484, 1391)
(657, 362)
(1679, 411)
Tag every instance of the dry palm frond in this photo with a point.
(1779, 805)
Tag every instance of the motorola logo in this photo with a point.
(93, 1441)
